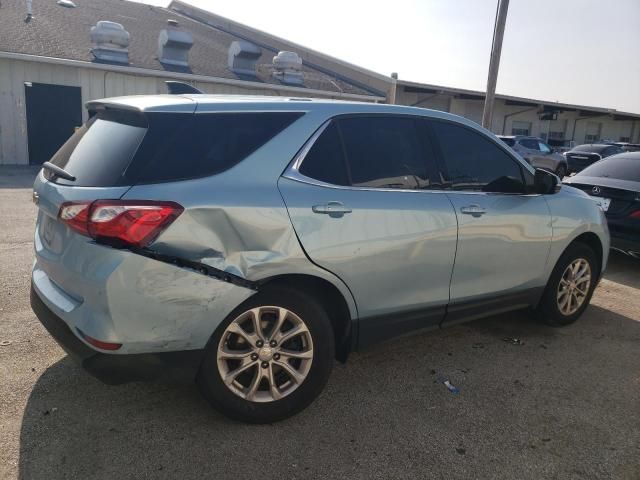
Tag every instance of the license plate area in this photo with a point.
(52, 233)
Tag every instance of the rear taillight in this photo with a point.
(134, 223)
(635, 214)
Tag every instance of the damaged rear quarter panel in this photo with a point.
(236, 221)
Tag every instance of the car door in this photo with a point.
(545, 157)
(360, 200)
(504, 235)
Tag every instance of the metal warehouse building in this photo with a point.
(61, 54)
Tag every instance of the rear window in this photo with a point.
(99, 151)
(509, 141)
(161, 147)
(621, 168)
(589, 148)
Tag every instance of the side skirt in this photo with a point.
(378, 328)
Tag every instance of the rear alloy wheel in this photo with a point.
(270, 358)
(570, 286)
(265, 354)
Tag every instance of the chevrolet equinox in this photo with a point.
(251, 241)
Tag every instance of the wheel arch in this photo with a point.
(592, 241)
(339, 310)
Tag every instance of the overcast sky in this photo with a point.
(575, 51)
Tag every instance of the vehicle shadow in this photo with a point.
(623, 269)
(534, 402)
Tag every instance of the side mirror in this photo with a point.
(545, 182)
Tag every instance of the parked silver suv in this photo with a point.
(253, 240)
(538, 153)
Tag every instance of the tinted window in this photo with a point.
(99, 151)
(384, 152)
(529, 143)
(189, 146)
(121, 148)
(611, 151)
(621, 168)
(589, 148)
(473, 162)
(509, 141)
(325, 160)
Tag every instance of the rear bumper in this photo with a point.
(115, 369)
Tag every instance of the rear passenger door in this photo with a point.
(504, 234)
(362, 201)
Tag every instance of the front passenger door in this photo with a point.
(504, 234)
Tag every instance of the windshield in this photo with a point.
(590, 148)
(621, 168)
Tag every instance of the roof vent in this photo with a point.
(111, 42)
(242, 57)
(288, 68)
(174, 45)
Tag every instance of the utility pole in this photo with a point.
(494, 62)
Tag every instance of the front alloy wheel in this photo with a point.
(574, 286)
(570, 286)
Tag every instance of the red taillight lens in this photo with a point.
(120, 222)
(635, 214)
(75, 214)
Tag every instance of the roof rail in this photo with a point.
(179, 88)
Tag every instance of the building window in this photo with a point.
(557, 129)
(625, 139)
(556, 135)
(521, 128)
(593, 132)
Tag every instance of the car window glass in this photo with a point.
(529, 143)
(325, 160)
(178, 146)
(473, 162)
(544, 148)
(621, 168)
(384, 152)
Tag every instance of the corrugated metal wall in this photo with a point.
(94, 84)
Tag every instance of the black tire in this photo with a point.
(548, 310)
(223, 399)
(561, 171)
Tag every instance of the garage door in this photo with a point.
(53, 112)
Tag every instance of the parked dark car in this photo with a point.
(629, 147)
(582, 156)
(614, 183)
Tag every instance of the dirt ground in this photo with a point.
(564, 403)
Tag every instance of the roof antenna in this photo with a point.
(29, 11)
(179, 88)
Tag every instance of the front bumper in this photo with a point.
(115, 369)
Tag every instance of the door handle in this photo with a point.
(333, 209)
(473, 210)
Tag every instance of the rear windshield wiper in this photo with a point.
(58, 171)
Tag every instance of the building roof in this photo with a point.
(512, 100)
(60, 32)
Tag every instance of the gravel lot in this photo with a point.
(563, 404)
